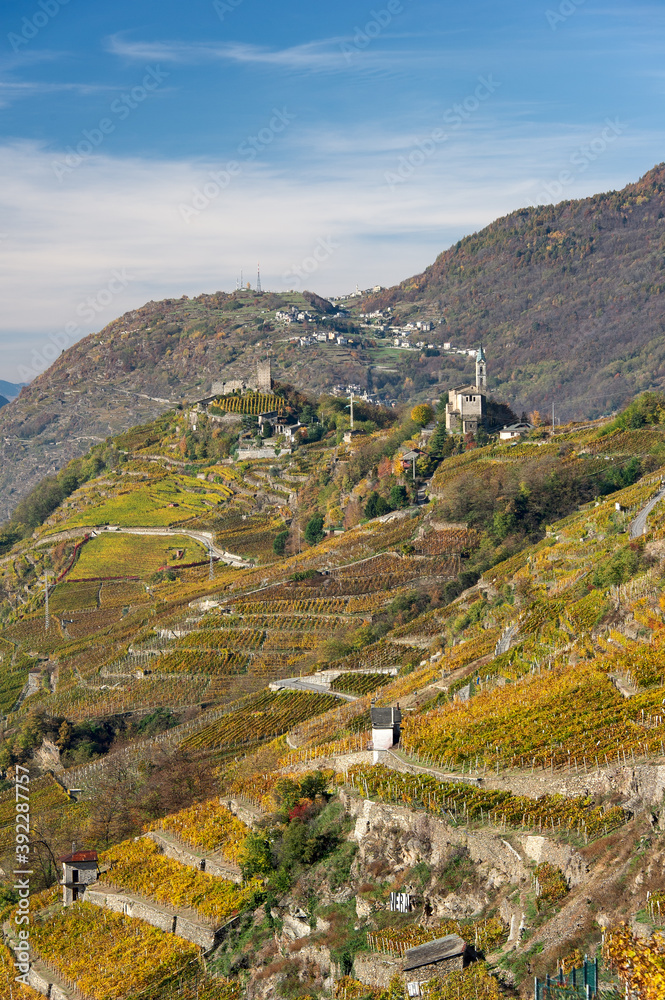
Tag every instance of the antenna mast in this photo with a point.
(258, 279)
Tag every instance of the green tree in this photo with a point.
(279, 543)
(314, 532)
(399, 497)
(256, 856)
(376, 506)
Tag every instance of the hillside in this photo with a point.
(214, 714)
(567, 300)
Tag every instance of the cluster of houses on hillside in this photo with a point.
(331, 336)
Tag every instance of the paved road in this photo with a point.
(298, 684)
(639, 525)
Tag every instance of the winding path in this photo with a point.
(204, 537)
(638, 525)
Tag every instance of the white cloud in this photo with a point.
(11, 91)
(63, 239)
(323, 55)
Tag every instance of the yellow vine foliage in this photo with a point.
(8, 974)
(639, 964)
(139, 866)
(109, 956)
(206, 826)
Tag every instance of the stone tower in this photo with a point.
(481, 370)
(264, 376)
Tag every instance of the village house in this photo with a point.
(274, 424)
(512, 431)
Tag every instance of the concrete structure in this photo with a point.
(386, 724)
(79, 870)
(466, 407)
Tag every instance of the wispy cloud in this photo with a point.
(11, 91)
(319, 55)
(63, 241)
(329, 55)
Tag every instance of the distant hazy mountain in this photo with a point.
(10, 389)
(3, 401)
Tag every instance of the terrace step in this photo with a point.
(185, 924)
(213, 864)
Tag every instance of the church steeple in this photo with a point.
(481, 370)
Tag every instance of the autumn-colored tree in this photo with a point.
(422, 414)
(65, 735)
(353, 514)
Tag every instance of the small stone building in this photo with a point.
(435, 960)
(79, 870)
(386, 725)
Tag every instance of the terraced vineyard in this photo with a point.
(138, 866)
(466, 804)
(207, 826)
(123, 954)
(268, 715)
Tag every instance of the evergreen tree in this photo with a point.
(376, 506)
(314, 532)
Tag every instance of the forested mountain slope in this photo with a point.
(568, 299)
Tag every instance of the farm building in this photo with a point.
(433, 960)
(79, 870)
(386, 724)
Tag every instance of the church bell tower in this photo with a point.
(481, 370)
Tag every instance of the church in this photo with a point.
(467, 404)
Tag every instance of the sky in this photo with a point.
(158, 149)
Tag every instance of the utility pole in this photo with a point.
(351, 410)
(47, 620)
(552, 418)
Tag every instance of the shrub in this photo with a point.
(376, 506)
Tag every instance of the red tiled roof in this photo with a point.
(71, 859)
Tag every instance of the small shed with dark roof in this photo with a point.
(79, 870)
(386, 724)
(436, 958)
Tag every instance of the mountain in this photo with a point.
(567, 299)
(10, 389)
(3, 401)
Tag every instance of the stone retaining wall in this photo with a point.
(165, 919)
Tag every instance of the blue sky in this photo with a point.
(153, 149)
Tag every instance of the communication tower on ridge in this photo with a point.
(258, 279)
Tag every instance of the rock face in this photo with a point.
(404, 838)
